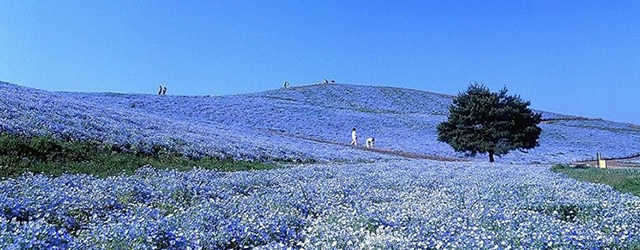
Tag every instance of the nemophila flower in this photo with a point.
(393, 204)
(67, 115)
(275, 125)
(388, 203)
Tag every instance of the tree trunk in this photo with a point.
(490, 155)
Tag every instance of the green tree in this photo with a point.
(484, 122)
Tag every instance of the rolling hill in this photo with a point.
(352, 198)
(308, 123)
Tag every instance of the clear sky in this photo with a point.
(574, 57)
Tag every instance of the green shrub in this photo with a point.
(53, 156)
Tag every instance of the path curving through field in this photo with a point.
(620, 162)
(376, 150)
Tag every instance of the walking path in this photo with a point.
(621, 162)
(376, 150)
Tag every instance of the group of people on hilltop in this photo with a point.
(286, 83)
(354, 140)
(162, 90)
(327, 81)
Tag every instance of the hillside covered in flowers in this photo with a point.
(310, 123)
(325, 194)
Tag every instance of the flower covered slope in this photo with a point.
(30, 111)
(399, 119)
(385, 203)
(396, 204)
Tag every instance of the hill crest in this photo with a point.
(273, 124)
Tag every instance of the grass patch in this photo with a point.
(52, 156)
(623, 180)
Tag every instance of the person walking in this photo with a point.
(354, 138)
(370, 141)
(164, 90)
(160, 90)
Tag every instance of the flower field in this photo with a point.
(255, 126)
(397, 204)
(30, 111)
(399, 119)
(326, 196)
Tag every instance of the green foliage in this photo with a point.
(624, 180)
(48, 155)
(484, 122)
(564, 212)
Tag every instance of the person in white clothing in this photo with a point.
(354, 138)
(370, 142)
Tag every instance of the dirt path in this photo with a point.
(376, 150)
(552, 120)
(614, 162)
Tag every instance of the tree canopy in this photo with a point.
(484, 122)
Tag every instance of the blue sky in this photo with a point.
(574, 57)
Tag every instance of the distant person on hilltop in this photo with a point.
(354, 138)
(164, 90)
(370, 142)
(160, 90)
(286, 84)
